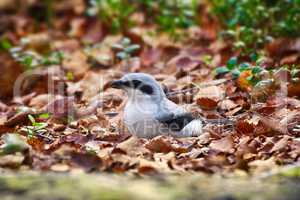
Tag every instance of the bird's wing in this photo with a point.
(175, 122)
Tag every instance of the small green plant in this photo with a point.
(252, 23)
(253, 72)
(295, 74)
(36, 128)
(254, 75)
(54, 58)
(171, 16)
(125, 49)
(113, 13)
(13, 143)
(30, 59)
(175, 15)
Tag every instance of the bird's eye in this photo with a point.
(136, 83)
(147, 89)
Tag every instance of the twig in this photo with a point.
(181, 91)
(202, 85)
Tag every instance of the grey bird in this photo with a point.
(148, 111)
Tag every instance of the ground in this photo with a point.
(61, 124)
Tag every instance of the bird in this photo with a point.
(149, 113)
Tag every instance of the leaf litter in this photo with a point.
(84, 128)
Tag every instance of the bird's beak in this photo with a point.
(117, 84)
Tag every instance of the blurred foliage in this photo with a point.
(30, 59)
(125, 48)
(114, 13)
(36, 128)
(168, 15)
(172, 15)
(252, 23)
(5, 44)
(13, 143)
(255, 75)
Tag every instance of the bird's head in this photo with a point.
(139, 84)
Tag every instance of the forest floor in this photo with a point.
(61, 122)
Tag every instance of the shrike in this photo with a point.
(148, 112)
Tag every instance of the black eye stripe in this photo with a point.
(147, 89)
(133, 83)
(136, 83)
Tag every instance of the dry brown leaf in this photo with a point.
(61, 107)
(281, 144)
(87, 161)
(208, 98)
(12, 161)
(225, 145)
(166, 144)
(244, 127)
(227, 104)
(133, 147)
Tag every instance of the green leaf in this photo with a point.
(232, 62)
(40, 125)
(132, 48)
(256, 70)
(27, 61)
(221, 70)
(122, 55)
(44, 115)
(30, 133)
(244, 66)
(5, 44)
(117, 46)
(295, 72)
(260, 60)
(235, 73)
(58, 55)
(252, 80)
(13, 143)
(249, 78)
(31, 118)
(126, 41)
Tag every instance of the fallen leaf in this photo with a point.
(281, 144)
(225, 145)
(166, 144)
(61, 107)
(87, 161)
(208, 98)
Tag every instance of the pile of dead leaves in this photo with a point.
(65, 117)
